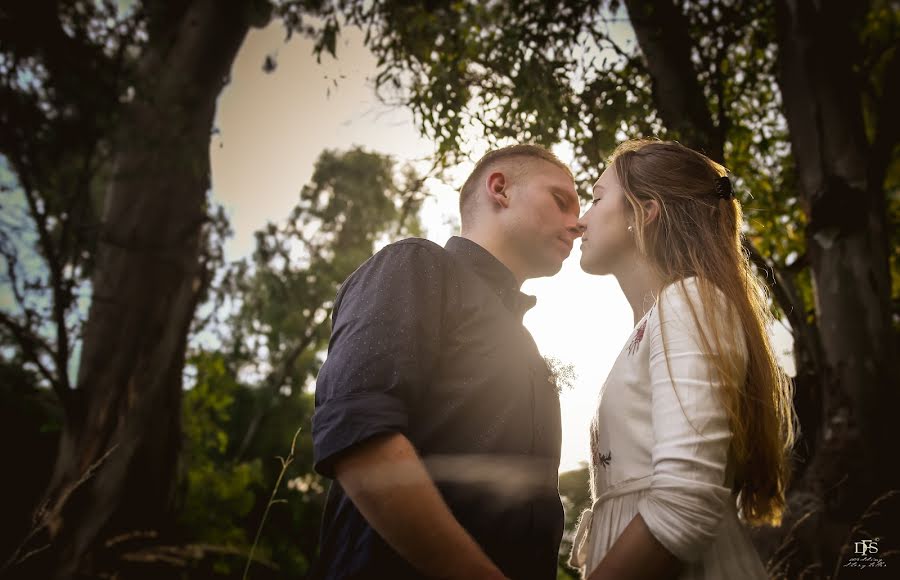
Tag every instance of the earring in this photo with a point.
(630, 228)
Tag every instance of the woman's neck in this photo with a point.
(641, 284)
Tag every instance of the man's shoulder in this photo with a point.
(396, 268)
(414, 245)
(404, 257)
(409, 253)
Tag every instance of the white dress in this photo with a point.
(646, 458)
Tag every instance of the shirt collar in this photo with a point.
(493, 272)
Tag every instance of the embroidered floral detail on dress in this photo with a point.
(638, 336)
(605, 459)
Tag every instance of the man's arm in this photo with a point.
(388, 483)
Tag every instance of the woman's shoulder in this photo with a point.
(689, 302)
(687, 292)
(693, 299)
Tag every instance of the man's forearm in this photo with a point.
(388, 483)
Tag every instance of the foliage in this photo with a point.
(220, 492)
(562, 374)
(223, 496)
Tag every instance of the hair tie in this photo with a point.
(723, 188)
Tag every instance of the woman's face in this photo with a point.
(606, 242)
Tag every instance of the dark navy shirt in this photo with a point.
(429, 342)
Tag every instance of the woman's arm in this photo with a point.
(637, 555)
(680, 513)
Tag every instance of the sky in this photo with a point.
(270, 129)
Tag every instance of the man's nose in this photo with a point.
(576, 230)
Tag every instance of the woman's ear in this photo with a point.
(651, 211)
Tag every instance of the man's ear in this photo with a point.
(498, 188)
(651, 211)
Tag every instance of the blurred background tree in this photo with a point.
(111, 240)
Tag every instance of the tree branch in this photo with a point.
(32, 345)
(662, 32)
(58, 285)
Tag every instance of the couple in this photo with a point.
(438, 420)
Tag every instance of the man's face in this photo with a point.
(543, 223)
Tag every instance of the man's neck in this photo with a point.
(497, 249)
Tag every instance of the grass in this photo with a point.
(285, 463)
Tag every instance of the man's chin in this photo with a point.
(549, 269)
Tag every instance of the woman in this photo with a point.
(692, 434)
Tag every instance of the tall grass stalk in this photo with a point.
(285, 463)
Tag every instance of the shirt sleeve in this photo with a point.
(384, 343)
(687, 496)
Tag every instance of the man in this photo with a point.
(435, 413)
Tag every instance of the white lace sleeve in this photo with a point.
(687, 498)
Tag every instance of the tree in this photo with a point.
(148, 156)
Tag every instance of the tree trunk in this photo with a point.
(662, 33)
(116, 468)
(847, 245)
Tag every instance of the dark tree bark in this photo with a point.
(662, 33)
(841, 183)
(116, 468)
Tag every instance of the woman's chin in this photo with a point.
(592, 267)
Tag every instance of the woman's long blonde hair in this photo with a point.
(698, 233)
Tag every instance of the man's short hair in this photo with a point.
(518, 155)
